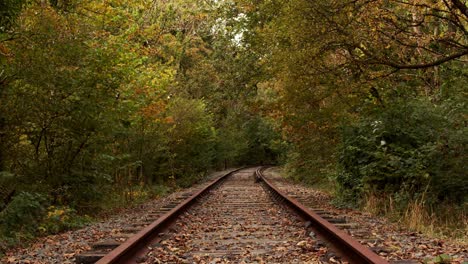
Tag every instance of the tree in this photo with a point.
(332, 64)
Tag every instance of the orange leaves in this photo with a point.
(4, 51)
(154, 110)
(169, 120)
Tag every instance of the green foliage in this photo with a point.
(367, 99)
(110, 103)
(410, 148)
(9, 10)
(59, 105)
(440, 259)
(61, 218)
(192, 137)
(107, 103)
(159, 190)
(27, 215)
(21, 218)
(261, 136)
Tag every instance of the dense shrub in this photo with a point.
(28, 215)
(60, 218)
(410, 148)
(21, 218)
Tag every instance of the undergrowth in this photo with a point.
(445, 220)
(130, 196)
(31, 215)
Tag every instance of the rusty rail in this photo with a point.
(136, 245)
(344, 244)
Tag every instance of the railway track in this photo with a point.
(341, 221)
(238, 218)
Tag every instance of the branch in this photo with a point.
(8, 38)
(425, 65)
(460, 6)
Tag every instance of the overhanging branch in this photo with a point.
(425, 65)
(460, 6)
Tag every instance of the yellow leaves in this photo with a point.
(55, 212)
(24, 140)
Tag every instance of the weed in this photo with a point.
(442, 220)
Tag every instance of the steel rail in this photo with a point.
(347, 246)
(136, 245)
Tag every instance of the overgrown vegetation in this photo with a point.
(406, 150)
(407, 162)
(371, 96)
(108, 102)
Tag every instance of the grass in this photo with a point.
(324, 185)
(128, 197)
(443, 220)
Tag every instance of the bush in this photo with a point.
(21, 218)
(404, 150)
(61, 218)
(159, 190)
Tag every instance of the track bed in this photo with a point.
(237, 222)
